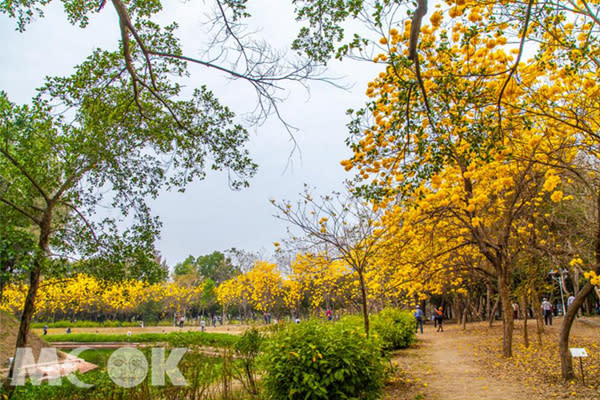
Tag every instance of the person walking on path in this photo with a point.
(439, 316)
(547, 310)
(419, 315)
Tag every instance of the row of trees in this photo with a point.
(85, 297)
(311, 284)
(95, 289)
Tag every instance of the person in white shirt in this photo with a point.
(547, 309)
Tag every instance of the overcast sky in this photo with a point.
(209, 216)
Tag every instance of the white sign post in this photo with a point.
(579, 352)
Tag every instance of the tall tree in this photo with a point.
(90, 138)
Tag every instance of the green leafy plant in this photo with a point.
(247, 350)
(316, 360)
(395, 327)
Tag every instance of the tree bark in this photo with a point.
(465, 311)
(566, 362)
(365, 306)
(576, 286)
(507, 316)
(25, 323)
(34, 283)
(537, 313)
(492, 315)
(524, 307)
(488, 299)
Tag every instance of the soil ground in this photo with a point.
(466, 364)
(9, 327)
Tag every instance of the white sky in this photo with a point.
(209, 216)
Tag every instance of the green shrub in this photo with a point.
(353, 320)
(321, 360)
(247, 350)
(395, 327)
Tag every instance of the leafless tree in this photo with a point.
(344, 225)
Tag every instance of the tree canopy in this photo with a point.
(214, 266)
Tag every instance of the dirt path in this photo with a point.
(443, 366)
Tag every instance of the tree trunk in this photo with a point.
(492, 315)
(488, 299)
(507, 316)
(34, 283)
(537, 313)
(26, 316)
(524, 307)
(365, 306)
(566, 362)
(576, 287)
(456, 309)
(480, 308)
(465, 311)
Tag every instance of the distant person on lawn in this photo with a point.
(419, 315)
(547, 310)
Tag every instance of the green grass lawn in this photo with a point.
(180, 339)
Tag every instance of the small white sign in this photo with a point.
(578, 352)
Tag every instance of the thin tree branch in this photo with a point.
(515, 65)
(25, 173)
(20, 210)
